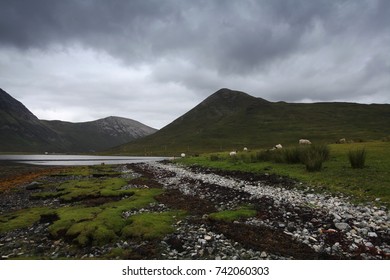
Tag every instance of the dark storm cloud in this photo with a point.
(297, 50)
(233, 36)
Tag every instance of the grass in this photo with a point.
(233, 215)
(357, 158)
(336, 175)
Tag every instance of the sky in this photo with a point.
(154, 60)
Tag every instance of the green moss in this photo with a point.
(22, 218)
(69, 216)
(119, 253)
(232, 215)
(151, 225)
(88, 188)
(89, 171)
(99, 225)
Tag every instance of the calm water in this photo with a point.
(75, 159)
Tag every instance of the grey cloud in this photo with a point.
(279, 50)
(232, 36)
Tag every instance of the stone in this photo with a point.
(207, 237)
(312, 239)
(353, 247)
(263, 255)
(372, 234)
(368, 244)
(336, 217)
(317, 248)
(342, 226)
(336, 247)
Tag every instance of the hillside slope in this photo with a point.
(22, 131)
(100, 134)
(230, 120)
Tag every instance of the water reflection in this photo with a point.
(76, 159)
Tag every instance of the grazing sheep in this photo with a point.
(245, 149)
(233, 153)
(342, 141)
(304, 142)
(183, 155)
(278, 146)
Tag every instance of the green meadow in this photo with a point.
(367, 184)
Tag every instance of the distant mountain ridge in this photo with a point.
(22, 131)
(230, 120)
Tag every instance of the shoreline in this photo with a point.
(289, 223)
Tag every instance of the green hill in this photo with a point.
(232, 120)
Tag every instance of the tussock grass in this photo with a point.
(357, 158)
(314, 156)
(311, 156)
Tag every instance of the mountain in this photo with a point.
(22, 131)
(230, 120)
(106, 133)
(19, 128)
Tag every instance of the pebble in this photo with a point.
(208, 237)
(342, 226)
(372, 234)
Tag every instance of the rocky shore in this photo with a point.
(290, 222)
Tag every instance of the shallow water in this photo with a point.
(76, 159)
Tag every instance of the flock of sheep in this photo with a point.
(276, 147)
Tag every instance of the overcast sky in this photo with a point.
(152, 61)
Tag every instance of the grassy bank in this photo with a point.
(336, 175)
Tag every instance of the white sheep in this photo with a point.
(183, 155)
(245, 149)
(304, 142)
(278, 146)
(233, 153)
